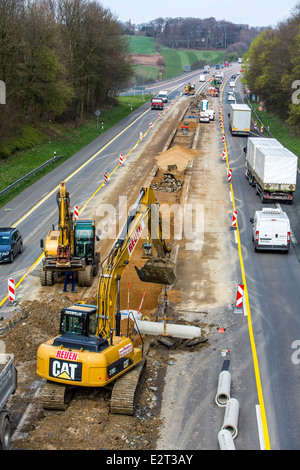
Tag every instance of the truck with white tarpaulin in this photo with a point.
(275, 173)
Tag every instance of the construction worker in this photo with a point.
(70, 277)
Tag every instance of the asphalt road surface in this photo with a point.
(272, 279)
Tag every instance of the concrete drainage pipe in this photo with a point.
(223, 390)
(225, 440)
(231, 417)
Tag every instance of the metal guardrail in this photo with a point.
(16, 183)
(254, 112)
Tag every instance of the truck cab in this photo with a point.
(157, 103)
(271, 230)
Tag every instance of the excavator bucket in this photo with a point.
(158, 271)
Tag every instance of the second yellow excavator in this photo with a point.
(90, 351)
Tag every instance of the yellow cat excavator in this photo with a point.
(71, 247)
(90, 351)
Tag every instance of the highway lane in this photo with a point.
(272, 281)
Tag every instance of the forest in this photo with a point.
(272, 69)
(59, 59)
(197, 33)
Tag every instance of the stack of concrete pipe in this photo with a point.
(229, 429)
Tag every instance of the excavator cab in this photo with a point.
(85, 239)
(78, 329)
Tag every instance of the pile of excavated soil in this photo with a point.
(177, 155)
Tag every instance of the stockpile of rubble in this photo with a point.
(176, 155)
(172, 167)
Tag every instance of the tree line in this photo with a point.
(272, 68)
(59, 59)
(197, 33)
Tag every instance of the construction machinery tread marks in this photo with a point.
(55, 396)
(46, 278)
(125, 391)
(85, 278)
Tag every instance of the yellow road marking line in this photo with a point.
(250, 327)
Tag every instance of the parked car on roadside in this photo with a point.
(11, 243)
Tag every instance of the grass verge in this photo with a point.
(280, 130)
(67, 143)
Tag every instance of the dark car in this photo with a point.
(11, 243)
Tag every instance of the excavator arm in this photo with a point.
(65, 247)
(159, 269)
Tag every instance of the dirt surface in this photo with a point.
(156, 60)
(87, 423)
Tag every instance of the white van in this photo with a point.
(164, 95)
(204, 116)
(271, 230)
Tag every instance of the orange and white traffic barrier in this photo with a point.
(121, 159)
(239, 299)
(229, 175)
(234, 220)
(11, 290)
(76, 212)
(141, 136)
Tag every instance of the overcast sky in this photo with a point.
(252, 12)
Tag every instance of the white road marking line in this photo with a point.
(260, 428)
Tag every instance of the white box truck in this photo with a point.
(239, 119)
(271, 230)
(163, 94)
(252, 144)
(202, 78)
(275, 173)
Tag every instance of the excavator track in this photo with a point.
(55, 396)
(125, 391)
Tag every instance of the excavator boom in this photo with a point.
(160, 269)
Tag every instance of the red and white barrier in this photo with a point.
(121, 159)
(262, 129)
(223, 138)
(224, 155)
(105, 176)
(141, 136)
(11, 290)
(150, 124)
(76, 212)
(234, 220)
(229, 175)
(239, 299)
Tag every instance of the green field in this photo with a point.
(175, 59)
(141, 45)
